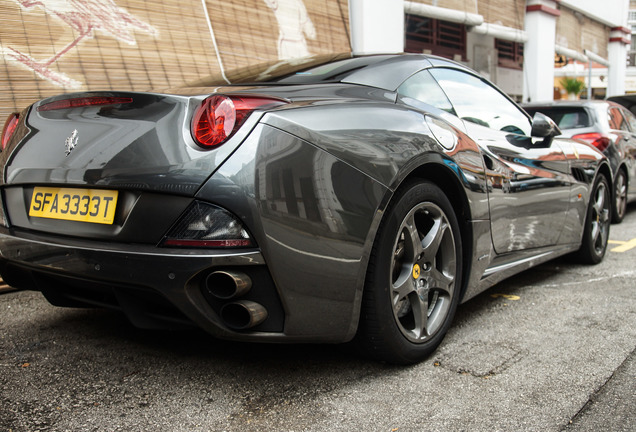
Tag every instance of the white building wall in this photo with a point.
(510, 81)
(612, 13)
(482, 56)
(377, 26)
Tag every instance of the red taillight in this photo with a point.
(9, 128)
(598, 140)
(219, 117)
(83, 102)
(214, 121)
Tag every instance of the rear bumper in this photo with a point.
(153, 287)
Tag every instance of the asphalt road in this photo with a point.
(551, 349)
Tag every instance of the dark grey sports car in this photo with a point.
(328, 199)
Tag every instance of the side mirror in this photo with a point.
(544, 127)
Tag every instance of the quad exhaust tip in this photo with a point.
(243, 314)
(229, 285)
(226, 285)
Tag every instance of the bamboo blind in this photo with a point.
(462, 5)
(578, 32)
(509, 13)
(247, 30)
(54, 47)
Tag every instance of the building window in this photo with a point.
(437, 37)
(631, 55)
(510, 54)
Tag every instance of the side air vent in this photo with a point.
(580, 175)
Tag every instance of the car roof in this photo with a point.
(395, 69)
(628, 101)
(566, 103)
(385, 71)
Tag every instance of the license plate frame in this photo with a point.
(74, 204)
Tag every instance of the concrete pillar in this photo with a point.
(617, 53)
(377, 26)
(538, 53)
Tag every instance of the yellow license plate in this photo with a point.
(83, 205)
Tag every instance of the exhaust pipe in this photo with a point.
(243, 314)
(226, 285)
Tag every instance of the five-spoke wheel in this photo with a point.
(413, 281)
(620, 197)
(423, 272)
(414, 277)
(597, 223)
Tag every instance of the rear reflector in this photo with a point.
(83, 102)
(9, 128)
(219, 117)
(598, 140)
(207, 243)
(208, 226)
(4, 221)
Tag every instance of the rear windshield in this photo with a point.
(307, 70)
(565, 118)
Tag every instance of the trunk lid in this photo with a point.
(142, 143)
(132, 153)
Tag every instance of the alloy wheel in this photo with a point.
(423, 272)
(621, 197)
(600, 218)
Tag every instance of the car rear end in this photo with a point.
(583, 120)
(602, 125)
(576, 120)
(247, 209)
(100, 208)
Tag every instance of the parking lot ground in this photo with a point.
(613, 407)
(550, 349)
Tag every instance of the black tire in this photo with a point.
(415, 269)
(597, 223)
(619, 204)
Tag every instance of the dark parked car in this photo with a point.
(628, 101)
(609, 127)
(326, 199)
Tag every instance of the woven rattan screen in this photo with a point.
(49, 47)
(509, 13)
(578, 32)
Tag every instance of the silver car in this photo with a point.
(609, 127)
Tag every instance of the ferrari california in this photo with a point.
(329, 199)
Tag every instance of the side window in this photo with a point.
(423, 87)
(630, 119)
(476, 101)
(616, 120)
